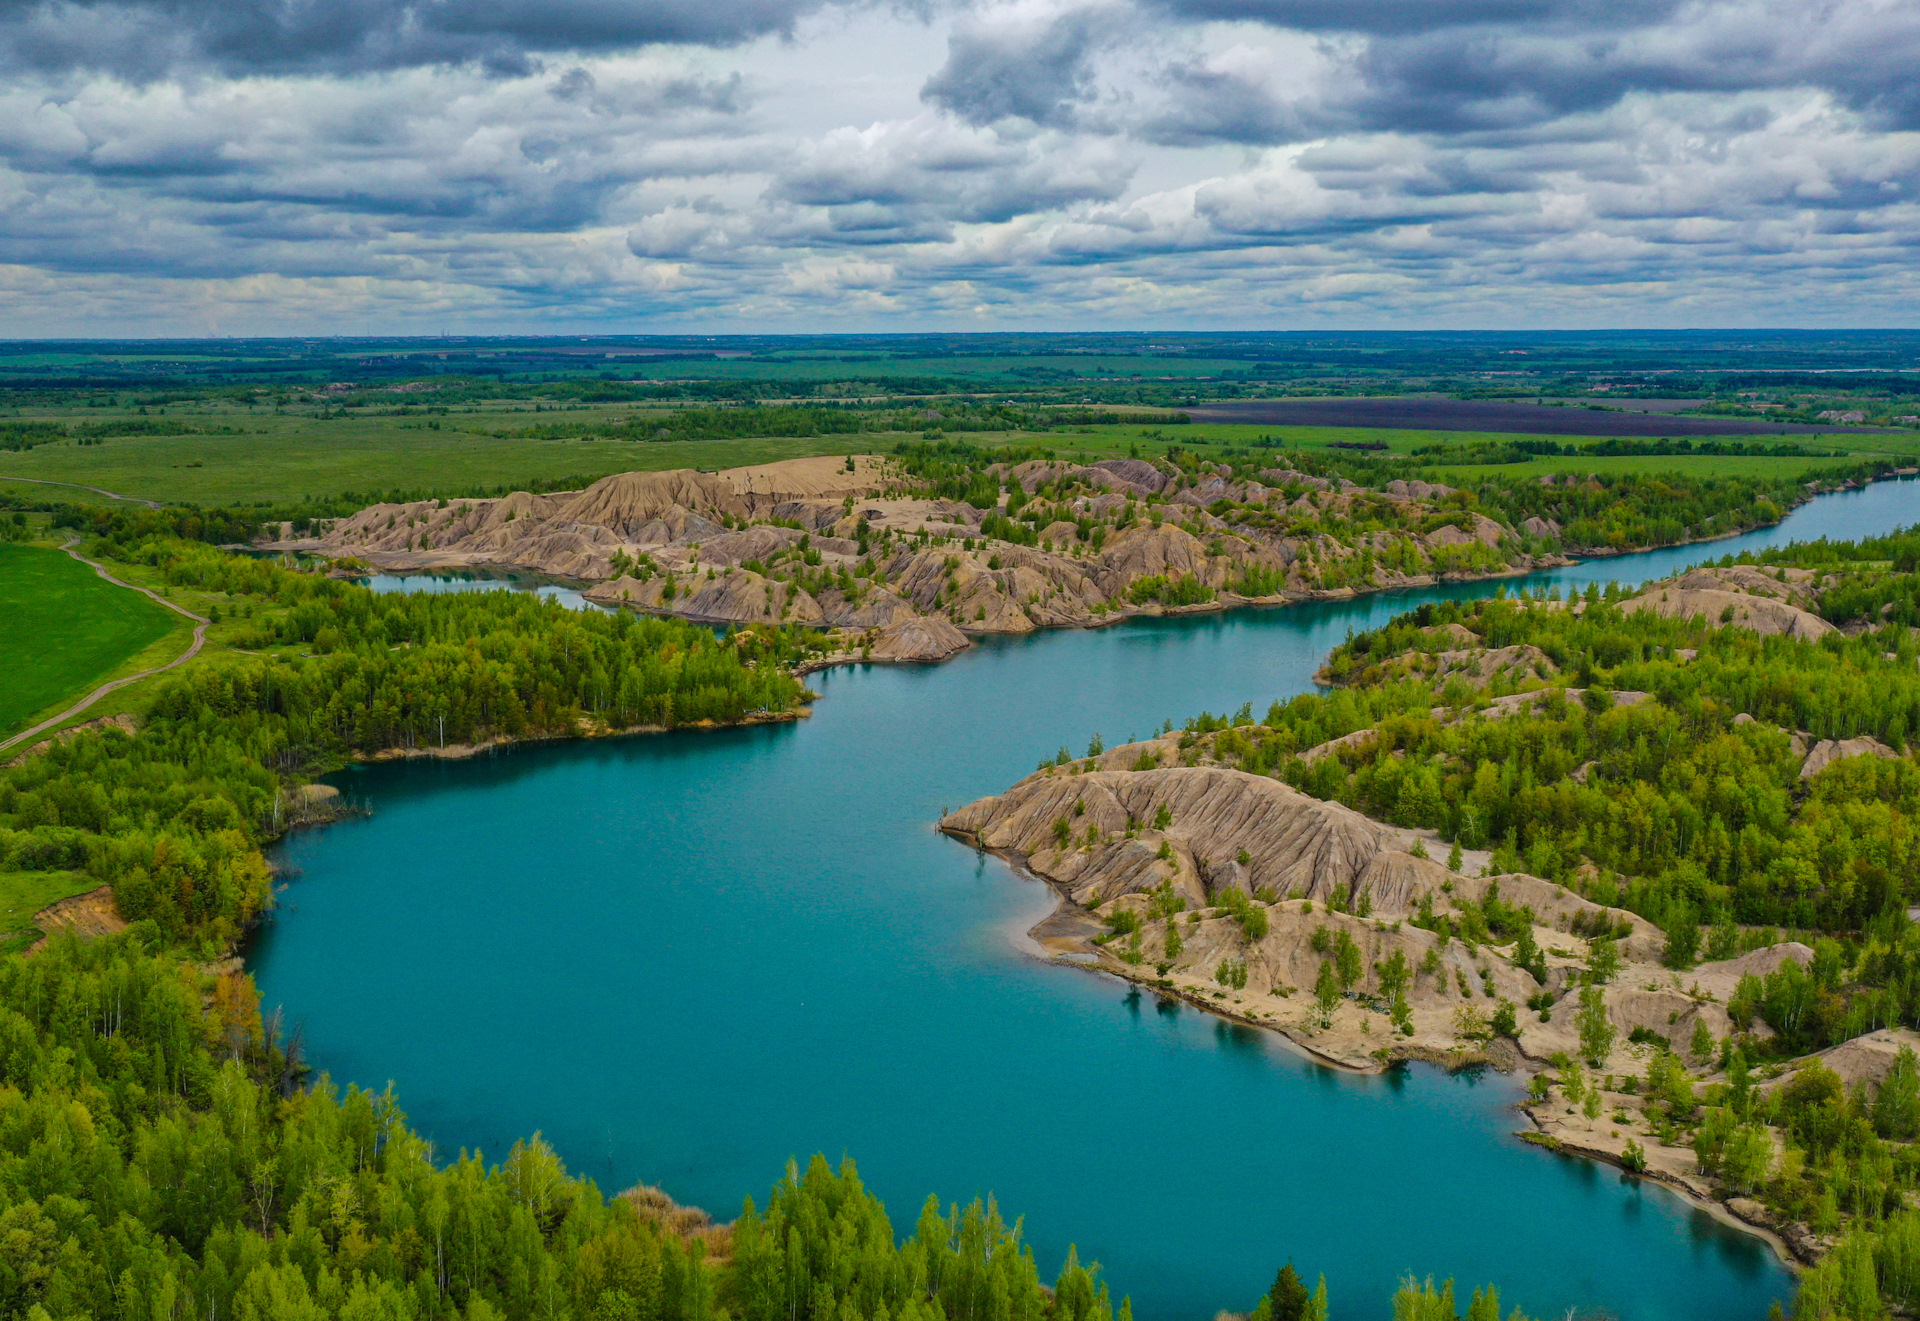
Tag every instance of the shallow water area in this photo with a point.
(686, 958)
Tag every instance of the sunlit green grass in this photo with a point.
(66, 631)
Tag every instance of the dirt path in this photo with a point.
(199, 639)
(111, 495)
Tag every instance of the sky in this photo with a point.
(251, 167)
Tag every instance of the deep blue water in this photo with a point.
(686, 958)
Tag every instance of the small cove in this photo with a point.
(686, 958)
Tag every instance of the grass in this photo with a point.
(67, 631)
(286, 456)
(24, 893)
(292, 457)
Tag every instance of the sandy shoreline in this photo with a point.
(463, 751)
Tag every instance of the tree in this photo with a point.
(1896, 1110)
(1739, 1082)
(1701, 1047)
(1596, 1029)
(1453, 857)
(1505, 1024)
(1347, 954)
(1393, 973)
(1288, 1296)
(1747, 1159)
(1526, 951)
(1415, 1301)
(1326, 992)
(1683, 940)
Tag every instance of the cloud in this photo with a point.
(150, 39)
(1066, 162)
(1022, 66)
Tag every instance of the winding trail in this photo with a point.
(111, 495)
(199, 640)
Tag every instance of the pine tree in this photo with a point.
(1288, 1296)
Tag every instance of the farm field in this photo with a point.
(374, 454)
(244, 456)
(67, 631)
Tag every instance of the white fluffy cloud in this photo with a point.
(783, 164)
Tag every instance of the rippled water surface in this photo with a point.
(687, 958)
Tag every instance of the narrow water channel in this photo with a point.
(685, 959)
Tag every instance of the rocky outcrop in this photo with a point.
(1828, 751)
(920, 638)
(1293, 844)
(856, 547)
(1741, 595)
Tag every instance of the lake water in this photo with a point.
(686, 958)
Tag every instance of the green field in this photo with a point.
(292, 455)
(289, 458)
(67, 631)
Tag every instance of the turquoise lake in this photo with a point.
(685, 959)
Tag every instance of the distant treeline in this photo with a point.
(1493, 453)
(768, 420)
(26, 435)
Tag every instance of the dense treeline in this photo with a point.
(1681, 811)
(1523, 449)
(1632, 511)
(405, 669)
(157, 1159)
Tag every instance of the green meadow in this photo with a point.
(67, 631)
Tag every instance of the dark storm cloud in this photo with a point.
(1039, 71)
(146, 39)
(1465, 78)
(1393, 17)
(1448, 67)
(1206, 105)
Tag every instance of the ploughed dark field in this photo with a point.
(1490, 415)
